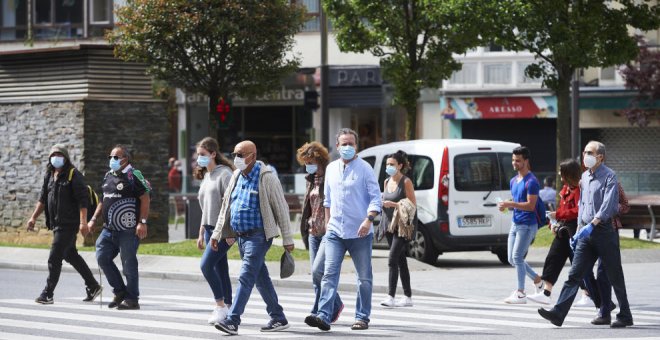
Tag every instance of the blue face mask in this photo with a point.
(115, 164)
(57, 161)
(390, 170)
(347, 152)
(311, 168)
(203, 161)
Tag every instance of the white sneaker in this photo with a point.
(516, 298)
(540, 298)
(218, 314)
(404, 302)
(585, 301)
(388, 302)
(539, 288)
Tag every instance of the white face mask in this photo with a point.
(590, 161)
(240, 163)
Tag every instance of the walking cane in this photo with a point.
(101, 294)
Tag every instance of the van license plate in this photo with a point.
(474, 221)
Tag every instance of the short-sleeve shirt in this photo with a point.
(529, 185)
(121, 198)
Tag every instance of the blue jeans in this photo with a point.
(126, 243)
(253, 251)
(215, 267)
(317, 259)
(360, 251)
(520, 237)
(604, 243)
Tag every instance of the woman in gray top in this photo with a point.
(214, 170)
(397, 187)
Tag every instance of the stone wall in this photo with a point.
(27, 131)
(89, 129)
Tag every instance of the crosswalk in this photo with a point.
(176, 317)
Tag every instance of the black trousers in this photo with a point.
(398, 264)
(559, 252)
(64, 248)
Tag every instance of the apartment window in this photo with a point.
(313, 23)
(13, 19)
(467, 75)
(58, 19)
(100, 11)
(607, 73)
(522, 78)
(494, 48)
(499, 73)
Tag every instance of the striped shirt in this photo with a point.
(245, 213)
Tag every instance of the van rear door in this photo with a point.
(475, 186)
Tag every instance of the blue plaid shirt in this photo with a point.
(245, 211)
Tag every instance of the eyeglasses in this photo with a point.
(115, 157)
(239, 155)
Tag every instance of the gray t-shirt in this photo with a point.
(211, 192)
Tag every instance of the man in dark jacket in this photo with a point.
(65, 199)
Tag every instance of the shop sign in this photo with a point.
(355, 77)
(282, 95)
(499, 107)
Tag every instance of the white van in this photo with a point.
(457, 185)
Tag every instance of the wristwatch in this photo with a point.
(371, 218)
(143, 221)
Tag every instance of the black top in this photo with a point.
(64, 199)
(121, 199)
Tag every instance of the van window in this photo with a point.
(420, 173)
(506, 170)
(477, 172)
(371, 160)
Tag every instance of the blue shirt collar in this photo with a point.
(254, 172)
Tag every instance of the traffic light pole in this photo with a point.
(325, 73)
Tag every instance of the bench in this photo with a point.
(644, 213)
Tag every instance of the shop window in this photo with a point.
(13, 19)
(499, 73)
(467, 74)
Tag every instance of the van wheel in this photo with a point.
(502, 255)
(421, 248)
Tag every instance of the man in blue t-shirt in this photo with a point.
(525, 192)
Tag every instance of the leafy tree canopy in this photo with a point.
(643, 75)
(415, 39)
(216, 47)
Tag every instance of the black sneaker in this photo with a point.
(274, 326)
(322, 325)
(44, 299)
(117, 300)
(129, 304)
(227, 327)
(93, 292)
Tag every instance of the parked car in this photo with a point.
(457, 185)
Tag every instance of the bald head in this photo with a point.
(245, 146)
(248, 152)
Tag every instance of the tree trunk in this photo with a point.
(564, 115)
(213, 115)
(411, 118)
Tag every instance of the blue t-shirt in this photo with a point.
(519, 190)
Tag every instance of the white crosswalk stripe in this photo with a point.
(175, 317)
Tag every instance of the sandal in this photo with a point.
(360, 325)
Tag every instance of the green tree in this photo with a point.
(643, 76)
(415, 40)
(221, 48)
(566, 36)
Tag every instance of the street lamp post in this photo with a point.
(325, 85)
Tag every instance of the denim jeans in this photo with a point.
(64, 248)
(215, 267)
(126, 243)
(604, 243)
(520, 237)
(253, 250)
(360, 251)
(317, 259)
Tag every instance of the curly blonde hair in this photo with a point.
(313, 151)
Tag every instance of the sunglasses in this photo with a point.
(115, 157)
(239, 155)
